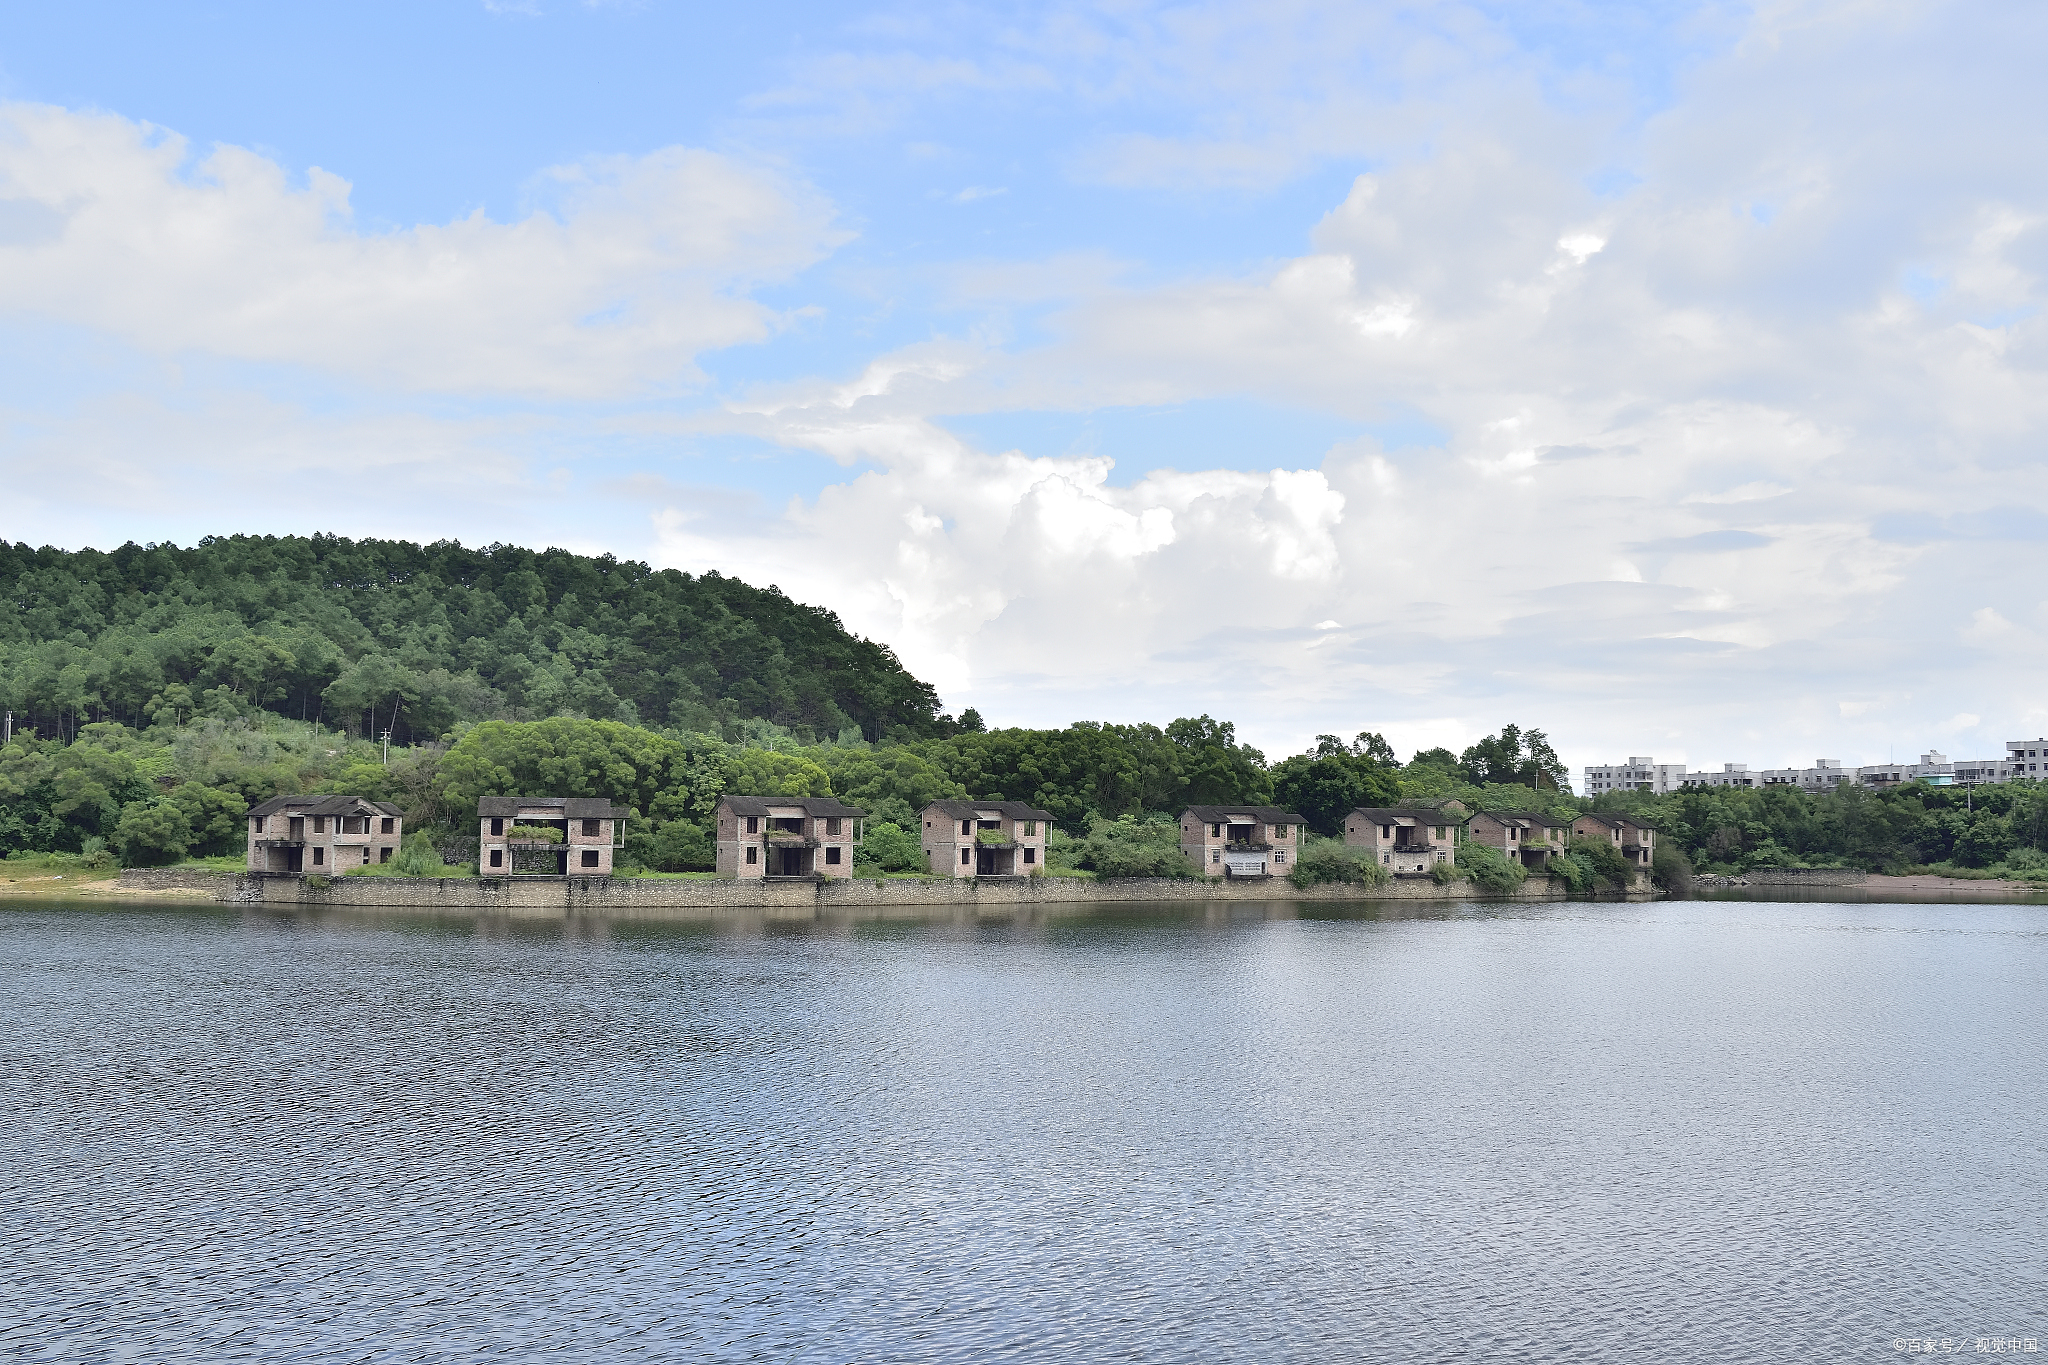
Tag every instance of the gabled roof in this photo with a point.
(811, 805)
(1614, 821)
(1261, 815)
(1427, 815)
(571, 807)
(965, 810)
(320, 804)
(1532, 817)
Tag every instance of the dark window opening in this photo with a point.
(752, 852)
(963, 855)
(1030, 854)
(319, 856)
(590, 829)
(497, 857)
(497, 826)
(832, 855)
(832, 824)
(753, 827)
(590, 857)
(388, 827)
(383, 855)
(967, 827)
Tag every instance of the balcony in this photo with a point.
(1248, 846)
(783, 838)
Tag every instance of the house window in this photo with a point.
(497, 857)
(1386, 831)
(1030, 854)
(1386, 858)
(1215, 831)
(832, 856)
(319, 824)
(963, 856)
(1439, 831)
(832, 827)
(319, 856)
(1030, 827)
(389, 826)
(1215, 855)
(750, 855)
(384, 855)
(590, 829)
(497, 826)
(967, 827)
(1280, 855)
(366, 854)
(590, 857)
(753, 827)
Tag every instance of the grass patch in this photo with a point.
(224, 862)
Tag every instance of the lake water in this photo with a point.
(1692, 1132)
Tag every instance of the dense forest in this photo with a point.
(374, 635)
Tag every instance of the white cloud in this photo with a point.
(641, 264)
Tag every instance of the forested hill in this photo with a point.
(374, 633)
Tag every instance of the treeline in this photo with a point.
(374, 635)
(1734, 829)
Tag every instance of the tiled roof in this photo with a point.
(571, 807)
(1427, 815)
(811, 805)
(965, 810)
(1262, 815)
(320, 804)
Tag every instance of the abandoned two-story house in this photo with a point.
(547, 836)
(1637, 842)
(1525, 837)
(322, 834)
(786, 836)
(1241, 841)
(985, 838)
(1404, 839)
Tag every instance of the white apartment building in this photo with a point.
(1637, 775)
(1731, 775)
(2024, 758)
(1933, 769)
(1822, 776)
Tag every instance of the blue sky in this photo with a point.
(1664, 375)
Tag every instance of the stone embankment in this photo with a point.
(554, 897)
(1790, 876)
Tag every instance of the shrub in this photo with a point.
(1444, 873)
(1128, 847)
(672, 846)
(1489, 868)
(417, 857)
(1328, 860)
(546, 834)
(1604, 860)
(1671, 869)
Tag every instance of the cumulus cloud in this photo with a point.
(638, 264)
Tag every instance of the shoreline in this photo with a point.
(557, 897)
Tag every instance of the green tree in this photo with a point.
(889, 848)
(1325, 786)
(152, 833)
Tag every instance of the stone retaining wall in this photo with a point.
(555, 897)
(1805, 876)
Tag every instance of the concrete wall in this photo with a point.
(554, 897)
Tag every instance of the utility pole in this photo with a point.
(9, 739)
(387, 748)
